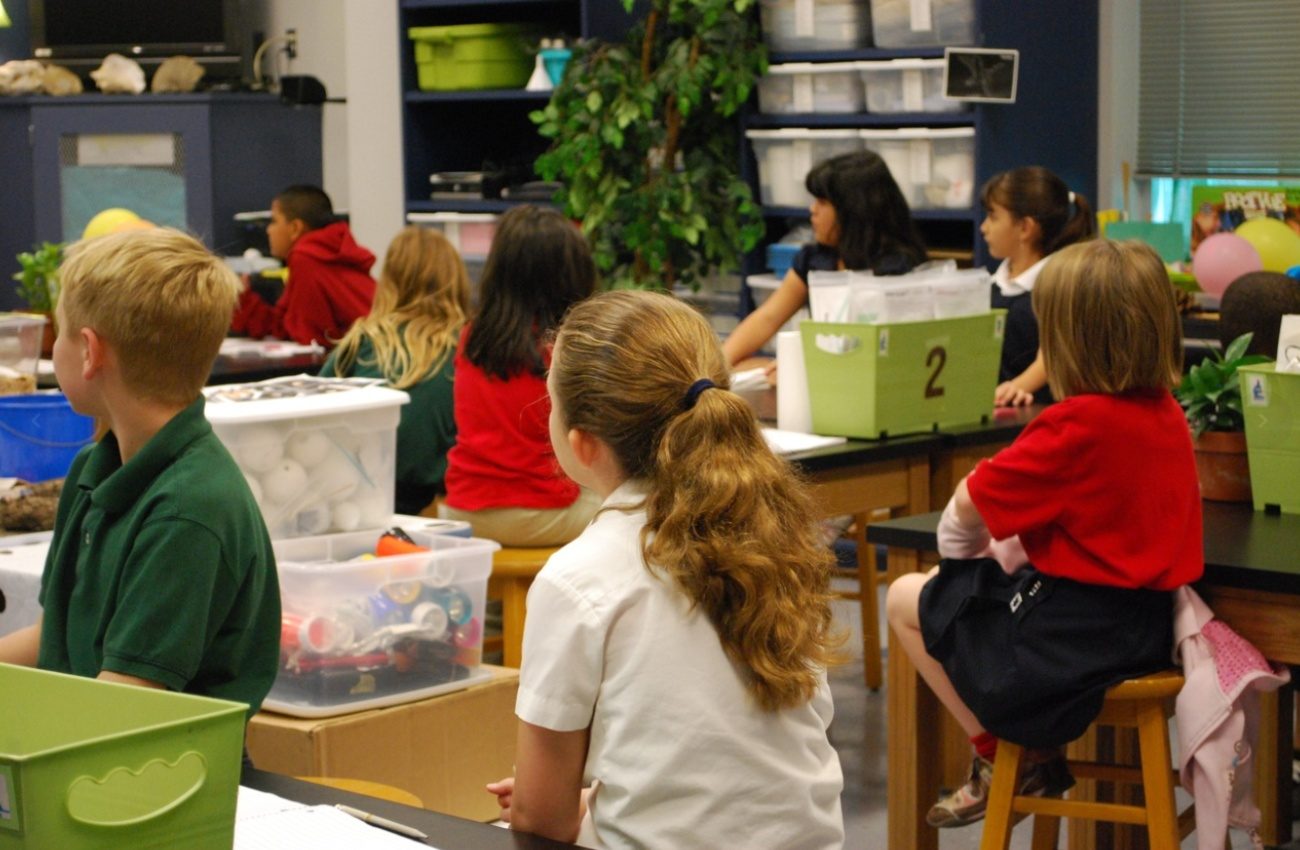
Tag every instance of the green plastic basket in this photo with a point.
(1270, 404)
(885, 380)
(89, 764)
(474, 56)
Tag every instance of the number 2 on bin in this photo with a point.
(935, 358)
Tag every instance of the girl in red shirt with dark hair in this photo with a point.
(1088, 520)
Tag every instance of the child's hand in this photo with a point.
(504, 789)
(1009, 395)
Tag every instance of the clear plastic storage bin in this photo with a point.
(935, 168)
(319, 454)
(786, 156)
(20, 349)
(363, 631)
(895, 86)
(797, 87)
(469, 233)
(816, 24)
(923, 23)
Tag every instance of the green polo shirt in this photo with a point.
(425, 433)
(162, 568)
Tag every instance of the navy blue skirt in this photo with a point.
(1032, 655)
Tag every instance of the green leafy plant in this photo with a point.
(1210, 392)
(646, 142)
(38, 279)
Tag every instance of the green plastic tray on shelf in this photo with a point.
(474, 56)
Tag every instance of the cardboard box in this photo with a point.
(443, 749)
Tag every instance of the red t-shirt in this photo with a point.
(503, 456)
(1102, 489)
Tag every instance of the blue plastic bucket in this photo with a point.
(40, 435)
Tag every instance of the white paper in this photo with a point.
(784, 442)
(749, 379)
(1288, 344)
(268, 822)
(793, 410)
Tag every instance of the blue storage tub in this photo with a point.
(40, 434)
(780, 256)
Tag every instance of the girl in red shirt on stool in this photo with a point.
(1088, 520)
(502, 476)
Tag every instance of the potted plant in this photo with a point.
(644, 138)
(1210, 394)
(38, 285)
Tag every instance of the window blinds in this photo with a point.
(1219, 89)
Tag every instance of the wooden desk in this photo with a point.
(445, 832)
(1252, 580)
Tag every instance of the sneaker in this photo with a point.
(1049, 778)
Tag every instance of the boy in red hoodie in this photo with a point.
(329, 284)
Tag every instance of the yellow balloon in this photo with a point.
(107, 222)
(132, 224)
(1277, 244)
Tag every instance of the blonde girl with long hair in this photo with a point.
(409, 340)
(675, 652)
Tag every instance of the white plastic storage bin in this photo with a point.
(895, 86)
(923, 23)
(761, 287)
(786, 156)
(816, 24)
(319, 453)
(935, 168)
(362, 631)
(469, 233)
(798, 87)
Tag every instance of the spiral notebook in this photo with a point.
(267, 822)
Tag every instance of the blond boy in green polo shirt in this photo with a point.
(160, 573)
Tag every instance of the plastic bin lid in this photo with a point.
(897, 64)
(814, 67)
(468, 31)
(225, 407)
(447, 217)
(905, 133)
(792, 133)
(762, 281)
(19, 321)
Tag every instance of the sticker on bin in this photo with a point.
(378, 618)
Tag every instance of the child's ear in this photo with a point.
(297, 227)
(93, 353)
(1029, 230)
(586, 447)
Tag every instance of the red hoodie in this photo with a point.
(329, 287)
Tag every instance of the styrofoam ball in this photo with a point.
(347, 516)
(314, 519)
(373, 514)
(336, 477)
(260, 448)
(256, 487)
(308, 447)
(374, 459)
(285, 481)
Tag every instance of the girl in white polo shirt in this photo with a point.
(673, 690)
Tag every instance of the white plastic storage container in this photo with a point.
(816, 24)
(469, 233)
(786, 156)
(798, 87)
(362, 631)
(923, 23)
(895, 86)
(935, 168)
(761, 287)
(319, 453)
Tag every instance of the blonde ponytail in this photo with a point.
(727, 521)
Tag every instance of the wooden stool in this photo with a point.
(868, 598)
(370, 789)
(513, 571)
(1144, 704)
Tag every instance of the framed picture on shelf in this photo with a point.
(981, 74)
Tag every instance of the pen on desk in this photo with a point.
(382, 823)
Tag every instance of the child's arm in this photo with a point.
(962, 534)
(123, 678)
(546, 798)
(1019, 391)
(21, 647)
(760, 325)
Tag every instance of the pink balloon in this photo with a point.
(1221, 259)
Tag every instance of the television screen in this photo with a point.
(85, 28)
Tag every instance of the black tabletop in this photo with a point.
(243, 368)
(445, 832)
(1243, 547)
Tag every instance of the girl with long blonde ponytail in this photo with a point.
(675, 653)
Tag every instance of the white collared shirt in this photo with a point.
(1021, 283)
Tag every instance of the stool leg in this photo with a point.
(869, 597)
(998, 818)
(1047, 830)
(1157, 778)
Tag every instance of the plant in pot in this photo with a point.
(644, 139)
(38, 285)
(1210, 394)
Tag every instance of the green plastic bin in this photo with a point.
(474, 56)
(90, 764)
(883, 380)
(1270, 404)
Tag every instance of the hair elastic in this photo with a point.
(696, 388)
